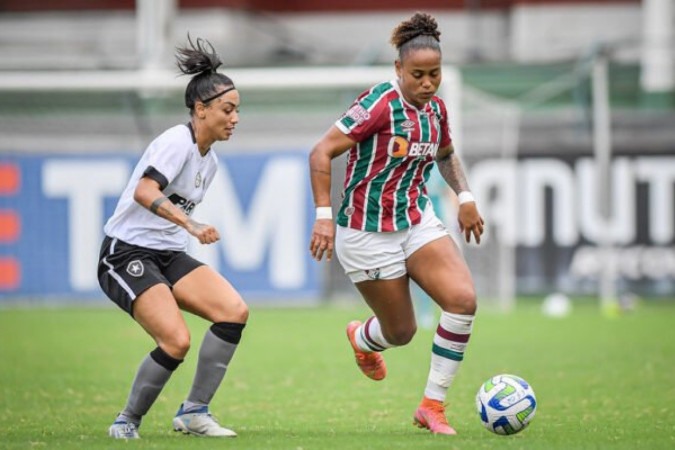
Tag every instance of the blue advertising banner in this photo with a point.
(53, 207)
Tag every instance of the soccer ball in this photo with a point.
(506, 404)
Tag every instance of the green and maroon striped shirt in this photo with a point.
(384, 188)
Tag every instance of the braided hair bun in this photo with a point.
(420, 24)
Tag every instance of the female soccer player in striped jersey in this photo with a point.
(144, 267)
(387, 232)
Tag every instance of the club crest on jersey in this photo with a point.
(349, 210)
(198, 179)
(433, 118)
(373, 274)
(135, 268)
(358, 114)
(399, 147)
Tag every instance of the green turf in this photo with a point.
(600, 382)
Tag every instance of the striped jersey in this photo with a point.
(384, 187)
(174, 161)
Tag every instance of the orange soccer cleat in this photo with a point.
(431, 415)
(371, 363)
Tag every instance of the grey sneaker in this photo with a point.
(123, 430)
(200, 423)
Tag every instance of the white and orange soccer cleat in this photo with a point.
(371, 363)
(431, 415)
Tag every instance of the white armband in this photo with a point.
(465, 197)
(324, 212)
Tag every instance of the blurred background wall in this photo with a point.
(563, 115)
(103, 34)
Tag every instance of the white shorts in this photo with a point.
(367, 255)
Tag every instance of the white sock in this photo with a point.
(369, 336)
(447, 353)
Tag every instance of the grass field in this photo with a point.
(600, 382)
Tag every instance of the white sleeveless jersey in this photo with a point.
(174, 161)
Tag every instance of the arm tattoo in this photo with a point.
(154, 207)
(168, 211)
(451, 171)
(192, 224)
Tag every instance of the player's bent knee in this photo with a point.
(241, 312)
(235, 313)
(176, 345)
(465, 301)
(401, 336)
(461, 300)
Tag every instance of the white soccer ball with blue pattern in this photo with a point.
(506, 404)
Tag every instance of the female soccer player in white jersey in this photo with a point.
(144, 267)
(387, 231)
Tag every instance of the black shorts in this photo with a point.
(125, 271)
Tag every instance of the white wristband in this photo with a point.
(324, 212)
(465, 197)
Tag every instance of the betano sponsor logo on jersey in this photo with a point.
(399, 147)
